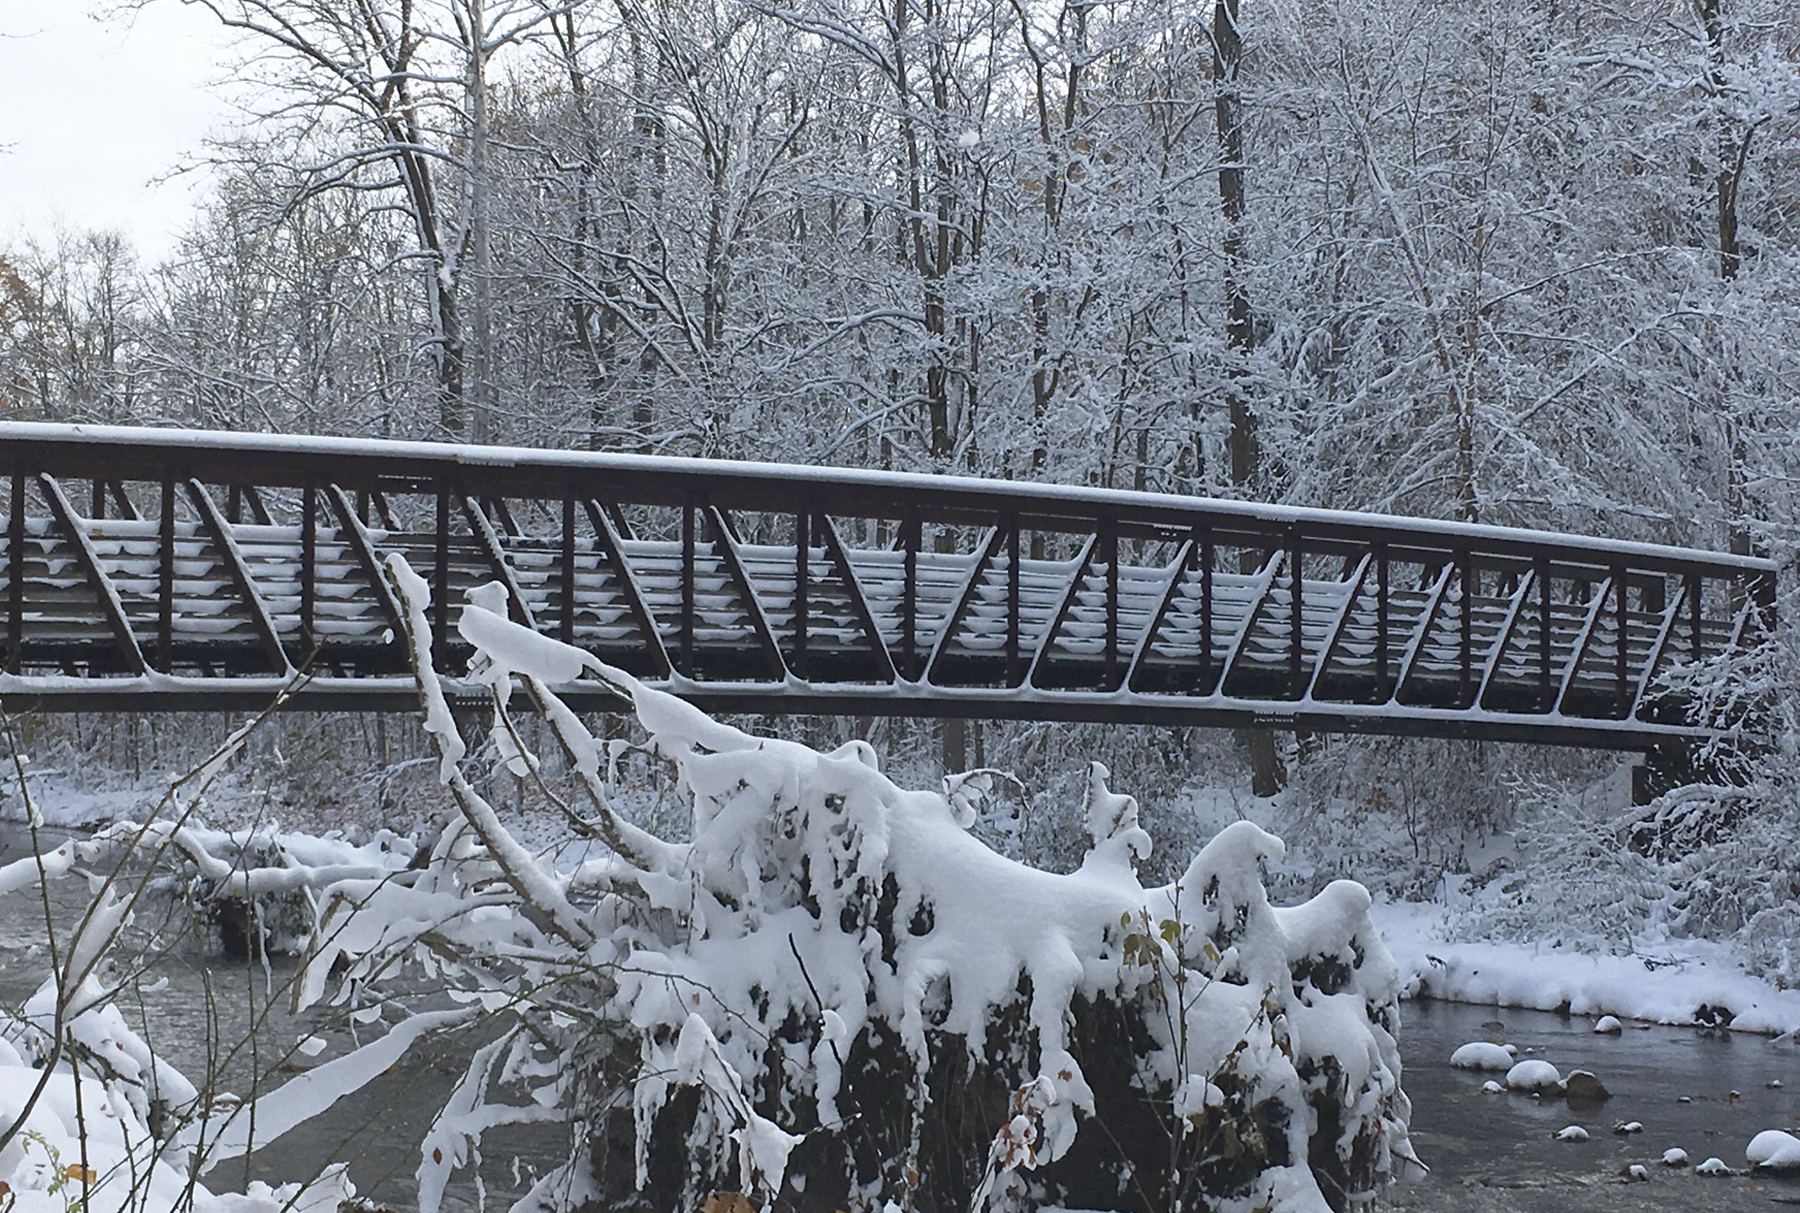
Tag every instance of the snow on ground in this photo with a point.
(1682, 981)
(1664, 980)
(1668, 980)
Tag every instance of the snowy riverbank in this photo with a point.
(1666, 980)
(1679, 981)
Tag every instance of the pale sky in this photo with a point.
(94, 108)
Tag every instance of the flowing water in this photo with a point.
(1707, 1092)
(198, 1009)
(1703, 1091)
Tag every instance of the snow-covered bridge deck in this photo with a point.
(168, 569)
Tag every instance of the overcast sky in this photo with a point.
(93, 109)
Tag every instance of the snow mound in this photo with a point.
(1482, 1055)
(1533, 1074)
(1774, 1150)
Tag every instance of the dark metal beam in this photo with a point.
(859, 598)
(108, 594)
(362, 546)
(609, 542)
(219, 532)
(1293, 666)
(725, 548)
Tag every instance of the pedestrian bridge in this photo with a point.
(149, 569)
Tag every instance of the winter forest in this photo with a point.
(1533, 264)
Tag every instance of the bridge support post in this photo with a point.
(1664, 767)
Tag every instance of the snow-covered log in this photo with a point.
(832, 995)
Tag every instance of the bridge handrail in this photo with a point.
(294, 460)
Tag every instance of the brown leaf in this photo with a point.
(437, 1155)
(727, 1202)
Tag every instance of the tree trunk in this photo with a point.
(1266, 774)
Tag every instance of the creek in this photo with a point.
(1488, 1153)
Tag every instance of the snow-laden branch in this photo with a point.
(822, 914)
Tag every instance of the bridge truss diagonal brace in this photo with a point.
(104, 589)
(1515, 611)
(610, 544)
(1664, 632)
(1265, 581)
(1070, 596)
(362, 546)
(1421, 630)
(15, 571)
(516, 606)
(1326, 653)
(216, 529)
(725, 547)
(1178, 571)
(971, 587)
(1578, 651)
(859, 599)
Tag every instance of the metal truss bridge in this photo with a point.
(155, 569)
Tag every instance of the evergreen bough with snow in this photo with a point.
(833, 996)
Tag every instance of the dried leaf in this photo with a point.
(727, 1202)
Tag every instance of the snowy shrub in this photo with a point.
(1713, 862)
(834, 994)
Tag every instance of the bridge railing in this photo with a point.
(152, 568)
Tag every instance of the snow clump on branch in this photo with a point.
(836, 995)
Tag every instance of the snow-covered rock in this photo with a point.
(1572, 1133)
(1533, 1074)
(1712, 1166)
(1675, 1156)
(1608, 1025)
(1774, 1150)
(1482, 1055)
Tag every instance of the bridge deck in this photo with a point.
(173, 569)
